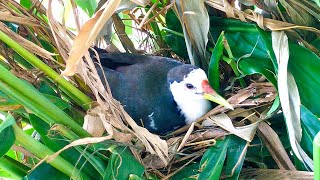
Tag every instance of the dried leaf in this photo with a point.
(275, 174)
(289, 96)
(194, 19)
(83, 141)
(88, 34)
(245, 132)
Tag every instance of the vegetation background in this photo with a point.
(59, 122)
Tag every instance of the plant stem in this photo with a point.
(67, 87)
(30, 98)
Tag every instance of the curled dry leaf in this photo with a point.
(194, 19)
(87, 35)
(289, 97)
(245, 132)
(264, 23)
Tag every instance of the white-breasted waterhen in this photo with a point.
(160, 92)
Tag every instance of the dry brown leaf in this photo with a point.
(194, 19)
(264, 23)
(142, 3)
(87, 35)
(275, 174)
(245, 132)
(93, 125)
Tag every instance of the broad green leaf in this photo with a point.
(174, 41)
(305, 65)
(311, 122)
(311, 126)
(121, 164)
(5, 175)
(247, 46)
(187, 172)
(46, 171)
(235, 157)
(7, 140)
(26, 3)
(212, 161)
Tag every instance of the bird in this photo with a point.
(159, 93)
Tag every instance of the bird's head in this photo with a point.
(190, 83)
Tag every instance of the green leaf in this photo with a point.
(7, 140)
(187, 172)
(305, 65)
(55, 142)
(310, 121)
(88, 6)
(58, 102)
(6, 135)
(46, 171)
(213, 72)
(310, 127)
(174, 41)
(247, 45)
(212, 161)
(26, 3)
(121, 164)
(13, 167)
(235, 157)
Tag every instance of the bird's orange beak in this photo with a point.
(212, 95)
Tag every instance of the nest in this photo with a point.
(166, 155)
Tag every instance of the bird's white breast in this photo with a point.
(192, 109)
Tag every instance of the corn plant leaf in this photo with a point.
(247, 45)
(174, 41)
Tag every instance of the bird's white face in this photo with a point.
(191, 87)
(192, 95)
(188, 95)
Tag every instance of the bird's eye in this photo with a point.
(189, 86)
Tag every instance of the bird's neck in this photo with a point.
(192, 109)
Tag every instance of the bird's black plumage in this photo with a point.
(141, 84)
